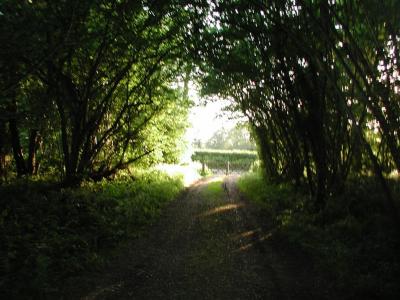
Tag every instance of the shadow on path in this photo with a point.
(206, 245)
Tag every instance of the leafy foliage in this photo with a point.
(318, 83)
(96, 93)
(49, 234)
(351, 240)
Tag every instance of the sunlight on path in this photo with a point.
(221, 209)
(188, 172)
(209, 244)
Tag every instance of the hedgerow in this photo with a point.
(219, 159)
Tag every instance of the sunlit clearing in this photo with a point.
(208, 180)
(222, 209)
(214, 179)
(207, 118)
(188, 172)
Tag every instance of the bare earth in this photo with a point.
(207, 249)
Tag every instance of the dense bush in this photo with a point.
(352, 239)
(48, 233)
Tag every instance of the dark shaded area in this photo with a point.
(209, 244)
(49, 234)
(352, 241)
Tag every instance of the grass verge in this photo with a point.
(352, 239)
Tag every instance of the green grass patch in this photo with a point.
(352, 239)
(270, 197)
(49, 233)
(213, 191)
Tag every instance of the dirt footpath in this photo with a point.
(207, 248)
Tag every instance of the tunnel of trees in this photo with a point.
(318, 81)
(89, 88)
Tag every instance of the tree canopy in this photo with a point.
(90, 87)
(93, 84)
(318, 81)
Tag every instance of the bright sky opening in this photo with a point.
(206, 118)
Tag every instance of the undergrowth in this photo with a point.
(352, 240)
(48, 233)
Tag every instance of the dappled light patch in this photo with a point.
(246, 234)
(245, 247)
(265, 237)
(222, 209)
(248, 246)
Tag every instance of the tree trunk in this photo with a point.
(17, 149)
(34, 140)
